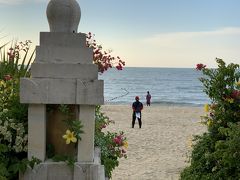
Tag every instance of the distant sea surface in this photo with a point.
(167, 86)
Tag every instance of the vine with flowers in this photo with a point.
(216, 154)
(113, 145)
(103, 58)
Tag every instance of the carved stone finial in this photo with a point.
(63, 15)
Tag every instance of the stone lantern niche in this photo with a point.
(62, 73)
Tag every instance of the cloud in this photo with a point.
(16, 2)
(183, 38)
(182, 49)
(185, 49)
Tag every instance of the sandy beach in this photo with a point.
(157, 151)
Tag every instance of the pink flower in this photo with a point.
(200, 66)
(119, 67)
(103, 126)
(235, 94)
(119, 137)
(7, 77)
(118, 140)
(123, 151)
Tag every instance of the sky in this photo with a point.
(144, 33)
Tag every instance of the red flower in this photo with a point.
(119, 137)
(118, 140)
(200, 66)
(7, 77)
(103, 126)
(235, 94)
(123, 151)
(119, 67)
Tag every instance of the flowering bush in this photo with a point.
(113, 145)
(16, 61)
(103, 58)
(13, 115)
(216, 153)
(12, 130)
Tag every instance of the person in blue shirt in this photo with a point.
(137, 107)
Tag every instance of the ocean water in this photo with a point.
(167, 86)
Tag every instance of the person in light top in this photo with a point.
(137, 107)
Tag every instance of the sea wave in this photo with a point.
(163, 103)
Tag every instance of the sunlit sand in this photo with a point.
(157, 151)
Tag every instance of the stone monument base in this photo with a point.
(49, 170)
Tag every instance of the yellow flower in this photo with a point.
(2, 83)
(238, 83)
(230, 100)
(201, 122)
(206, 108)
(190, 143)
(69, 136)
(125, 144)
(209, 122)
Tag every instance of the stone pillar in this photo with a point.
(86, 145)
(37, 131)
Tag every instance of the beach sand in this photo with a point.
(157, 151)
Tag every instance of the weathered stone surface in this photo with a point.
(97, 155)
(61, 91)
(89, 171)
(49, 171)
(52, 70)
(47, 91)
(51, 54)
(97, 172)
(38, 173)
(86, 145)
(37, 131)
(33, 91)
(90, 92)
(63, 16)
(81, 170)
(61, 171)
(62, 39)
